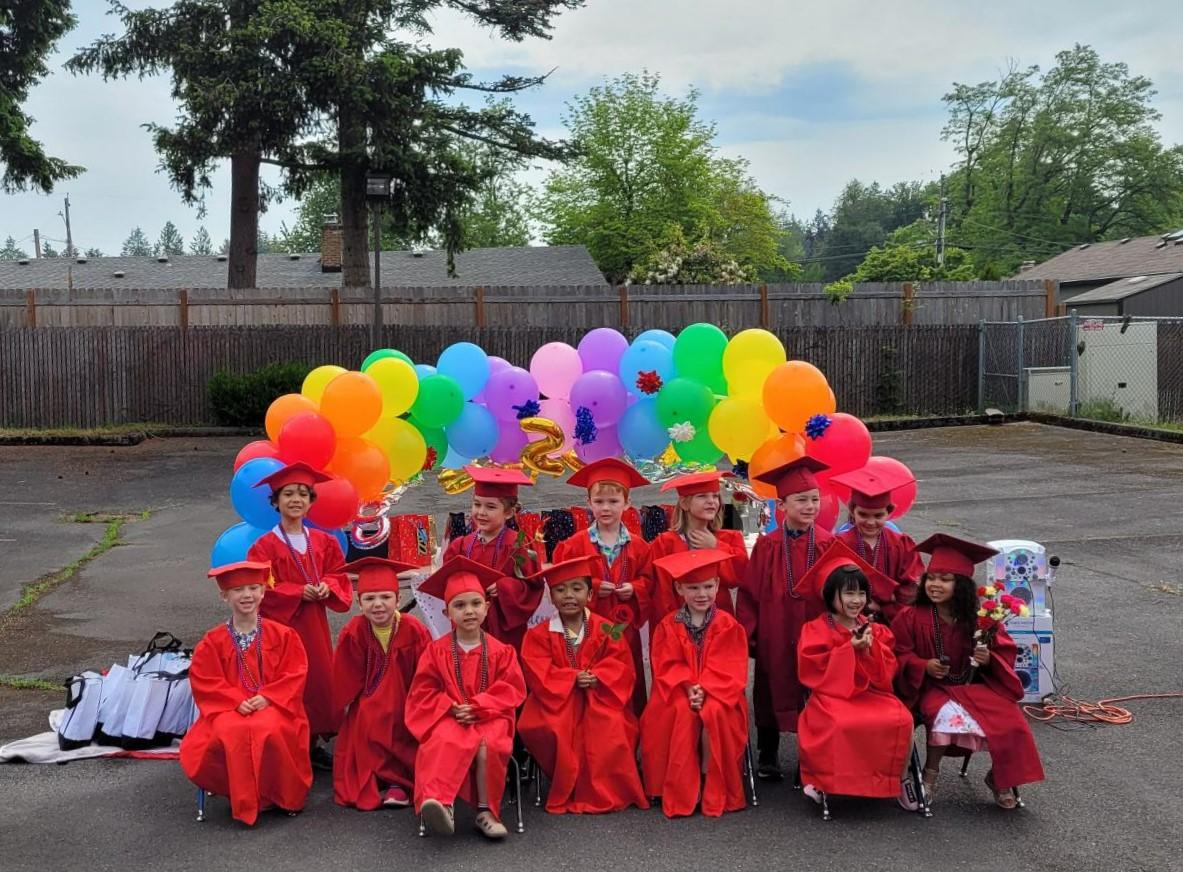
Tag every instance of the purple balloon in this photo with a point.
(606, 445)
(601, 392)
(507, 388)
(509, 444)
(496, 364)
(601, 349)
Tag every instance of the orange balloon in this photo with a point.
(364, 464)
(773, 453)
(794, 392)
(282, 410)
(352, 403)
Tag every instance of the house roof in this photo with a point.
(1098, 261)
(1123, 288)
(561, 265)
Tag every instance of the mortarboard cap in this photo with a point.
(377, 573)
(793, 477)
(952, 555)
(608, 469)
(232, 575)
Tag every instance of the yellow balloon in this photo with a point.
(750, 356)
(398, 382)
(403, 445)
(317, 380)
(747, 378)
(738, 426)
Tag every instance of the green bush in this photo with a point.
(242, 400)
(1103, 410)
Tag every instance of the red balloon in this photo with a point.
(255, 450)
(308, 437)
(827, 514)
(902, 497)
(845, 445)
(336, 503)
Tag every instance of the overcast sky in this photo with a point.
(811, 94)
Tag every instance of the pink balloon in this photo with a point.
(510, 442)
(602, 393)
(845, 445)
(509, 387)
(255, 450)
(555, 367)
(606, 444)
(902, 497)
(560, 412)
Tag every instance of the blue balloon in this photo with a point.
(640, 432)
(474, 433)
(770, 527)
(340, 535)
(234, 543)
(455, 461)
(467, 364)
(423, 370)
(661, 337)
(645, 356)
(842, 528)
(253, 503)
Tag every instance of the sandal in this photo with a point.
(1005, 798)
(438, 817)
(489, 827)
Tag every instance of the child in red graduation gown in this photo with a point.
(461, 706)
(697, 523)
(376, 657)
(694, 732)
(577, 722)
(620, 586)
(773, 607)
(854, 736)
(967, 693)
(512, 598)
(307, 568)
(893, 554)
(251, 740)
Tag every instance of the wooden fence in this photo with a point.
(94, 376)
(774, 307)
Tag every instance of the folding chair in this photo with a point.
(965, 771)
(515, 800)
(202, 794)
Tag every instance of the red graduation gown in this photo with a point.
(773, 620)
(585, 739)
(447, 748)
(285, 603)
(854, 734)
(260, 759)
(631, 565)
(992, 698)
(896, 557)
(671, 732)
(374, 749)
(731, 573)
(516, 601)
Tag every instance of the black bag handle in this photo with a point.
(74, 687)
(163, 641)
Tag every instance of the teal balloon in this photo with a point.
(685, 399)
(640, 431)
(698, 353)
(382, 353)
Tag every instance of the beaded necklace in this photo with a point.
(377, 660)
(250, 682)
(953, 677)
(876, 556)
(810, 555)
(483, 684)
(497, 541)
(572, 642)
(312, 577)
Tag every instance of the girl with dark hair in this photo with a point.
(967, 693)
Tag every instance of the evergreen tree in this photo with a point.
(136, 245)
(170, 242)
(201, 243)
(10, 251)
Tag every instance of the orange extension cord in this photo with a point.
(1100, 712)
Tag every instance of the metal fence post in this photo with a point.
(982, 367)
(1019, 374)
(1073, 367)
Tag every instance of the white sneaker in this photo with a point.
(909, 798)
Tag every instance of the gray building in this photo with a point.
(1156, 295)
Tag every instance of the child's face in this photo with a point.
(488, 514)
(467, 611)
(700, 595)
(939, 587)
(702, 507)
(570, 597)
(379, 606)
(870, 522)
(244, 601)
(849, 603)
(801, 508)
(293, 501)
(608, 506)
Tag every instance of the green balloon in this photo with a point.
(700, 449)
(684, 399)
(439, 403)
(382, 353)
(698, 353)
(435, 438)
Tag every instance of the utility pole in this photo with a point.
(69, 237)
(36, 242)
(942, 217)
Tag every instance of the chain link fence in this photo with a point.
(1122, 369)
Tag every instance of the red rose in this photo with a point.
(622, 615)
(985, 622)
(982, 592)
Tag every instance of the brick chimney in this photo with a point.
(331, 244)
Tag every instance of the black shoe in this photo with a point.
(769, 770)
(321, 758)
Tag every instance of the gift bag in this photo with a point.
(145, 707)
(81, 717)
(180, 712)
(113, 704)
(163, 650)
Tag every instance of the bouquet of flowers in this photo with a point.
(995, 608)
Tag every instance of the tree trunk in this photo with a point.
(355, 266)
(244, 220)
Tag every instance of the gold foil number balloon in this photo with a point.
(535, 455)
(455, 481)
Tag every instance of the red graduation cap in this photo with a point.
(693, 567)
(836, 556)
(232, 575)
(871, 488)
(493, 482)
(793, 477)
(377, 573)
(568, 570)
(294, 473)
(953, 555)
(608, 469)
(694, 483)
(457, 576)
